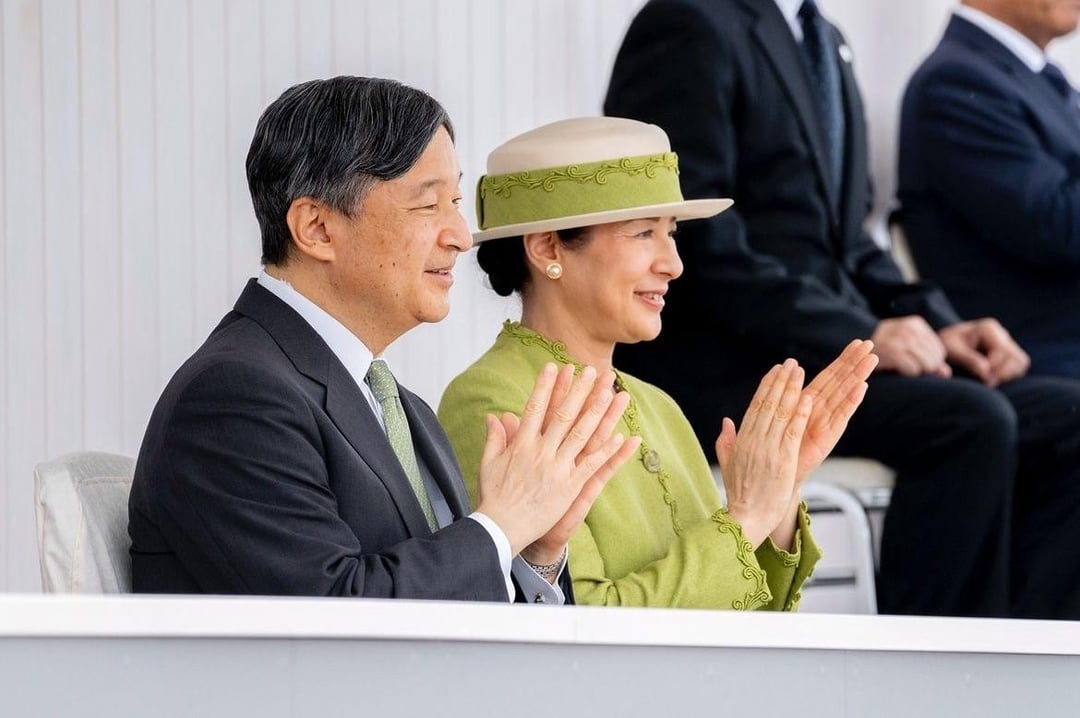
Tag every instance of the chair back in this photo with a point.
(901, 250)
(82, 521)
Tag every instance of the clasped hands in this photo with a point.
(540, 474)
(787, 432)
(984, 348)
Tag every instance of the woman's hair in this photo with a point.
(503, 260)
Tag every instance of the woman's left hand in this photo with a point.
(837, 392)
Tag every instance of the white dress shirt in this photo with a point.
(1027, 51)
(790, 10)
(357, 359)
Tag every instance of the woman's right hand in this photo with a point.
(760, 462)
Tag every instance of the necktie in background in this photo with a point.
(1053, 74)
(819, 52)
(385, 390)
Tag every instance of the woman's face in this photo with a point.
(617, 280)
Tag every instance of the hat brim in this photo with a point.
(687, 209)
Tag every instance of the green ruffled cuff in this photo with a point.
(759, 594)
(787, 558)
(787, 571)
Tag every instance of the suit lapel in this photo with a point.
(774, 37)
(1046, 103)
(430, 442)
(345, 403)
(1027, 85)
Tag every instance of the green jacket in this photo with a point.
(657, 535)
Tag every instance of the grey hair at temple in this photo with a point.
(332, 140)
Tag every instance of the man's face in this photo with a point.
(398, 251)
(1041, 20)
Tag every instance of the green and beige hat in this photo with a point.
(582, 172)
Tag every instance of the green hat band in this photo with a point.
(535, 195)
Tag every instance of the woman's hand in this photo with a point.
(837, 392)
(760, 462)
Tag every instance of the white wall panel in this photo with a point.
(126, 224)
(279, 38)
(62, 218)
(7, 477)
(137, 222)
(383, 33)
(315, 38)
(173, 183)
(24, 269)
(99, 174)
(245, 97)
(209, 164)
(349, 36)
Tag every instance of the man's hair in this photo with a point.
(332, 140)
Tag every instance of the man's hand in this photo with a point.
(540, 475)
(909, 346)
(986, 349)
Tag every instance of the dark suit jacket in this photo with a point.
(990, 186)
(264, 471)
(789, 271)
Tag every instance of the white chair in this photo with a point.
(901, 250)
(82, 519)
(858, 492)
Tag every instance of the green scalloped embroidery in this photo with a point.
(789, 559)
(502, 185)
(558, 350)
(759, 595)
(786, 558)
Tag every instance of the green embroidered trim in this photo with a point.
(788, 559)
(547, 179)
(791, 559)
(558, 351)
(577, 190)
(759, 595)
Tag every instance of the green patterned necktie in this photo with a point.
(385, 390)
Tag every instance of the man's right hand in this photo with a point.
(540, 475)
(909, 346)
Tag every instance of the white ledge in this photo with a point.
(264, 618)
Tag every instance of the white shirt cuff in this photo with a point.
(535, 587)
(502, 546)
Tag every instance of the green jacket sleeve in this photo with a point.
(711, 565)
(786, 572)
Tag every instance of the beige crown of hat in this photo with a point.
(582, 172)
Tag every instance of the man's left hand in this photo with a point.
(985, 349)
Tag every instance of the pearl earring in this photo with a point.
(554, 270)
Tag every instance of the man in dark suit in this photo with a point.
(283, 457)
(990, 175)
(761, 105)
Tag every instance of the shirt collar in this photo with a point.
(790, 10)
(345, 345)
(1025, 50)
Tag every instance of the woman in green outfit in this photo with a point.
(583, 214)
